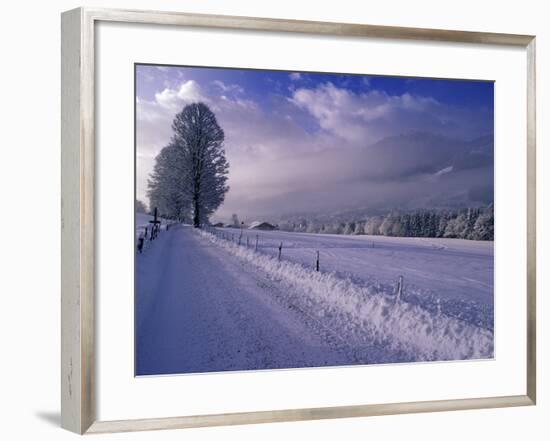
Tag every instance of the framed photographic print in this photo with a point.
(304, 220)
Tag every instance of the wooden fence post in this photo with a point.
(256, 246)
(317, 262)
(280, 250)
(399, 289)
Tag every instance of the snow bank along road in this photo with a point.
(206, 304)
(456, 273)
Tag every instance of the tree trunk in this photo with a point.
(196, 214)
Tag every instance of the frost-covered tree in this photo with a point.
(386, 227)
(484, 225)
(140, 207)
(372, 226)
(359, 228)
(331, 229)
(199, 140)
(349, 228)
(313, 228)
(455, 227)
(166, 186)
(442, 224)
(471, 217)
(190, 174)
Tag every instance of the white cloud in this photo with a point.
(357, 116)
(295, 76)
(228, 88)
(187, 93)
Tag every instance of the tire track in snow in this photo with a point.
(206, 313)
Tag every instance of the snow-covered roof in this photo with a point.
(260, 225)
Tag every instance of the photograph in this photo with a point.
(289, 219)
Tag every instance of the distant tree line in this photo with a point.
(468, 223)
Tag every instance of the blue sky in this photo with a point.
(304, 140)
(261, 84)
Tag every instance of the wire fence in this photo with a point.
(253, 241)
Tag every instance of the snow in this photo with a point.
(143, 224)
(198, 310)
(206, 304)
(456, 273)
(143, 221)
(369, 313)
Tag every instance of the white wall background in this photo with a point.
(30, 222)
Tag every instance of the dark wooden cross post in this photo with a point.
(156, 224)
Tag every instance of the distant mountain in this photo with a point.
(477, 153)
(423, 153)
(417, 170)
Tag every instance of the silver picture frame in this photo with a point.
(78, 397)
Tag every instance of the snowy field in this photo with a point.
(456, 273)
(204, 303)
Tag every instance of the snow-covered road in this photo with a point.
(206, 304)
(199, 310)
